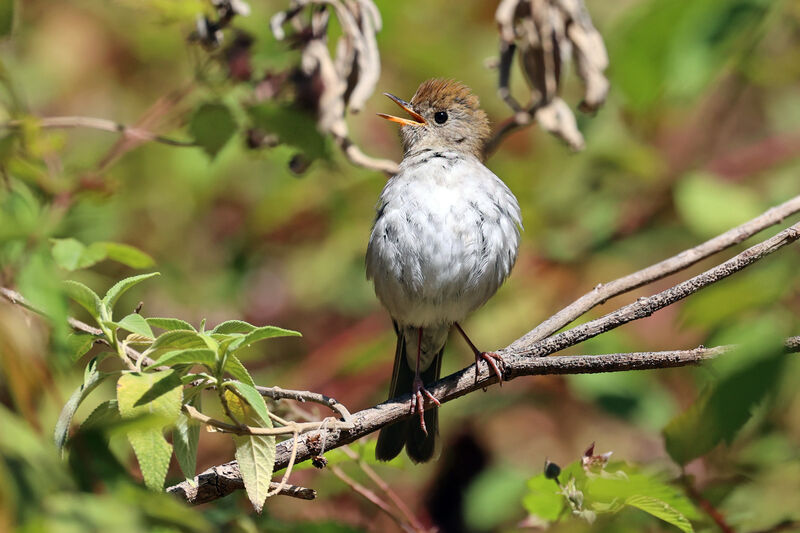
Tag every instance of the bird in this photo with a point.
(445, 237)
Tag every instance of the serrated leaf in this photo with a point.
(254, 453)
(79, 344)
(135, 323)
(151, 448)
(105, 414)
(661, 510)
(92, 378)
(202, 356)
(71, 254)
(235, 368)
(84, 296)
(611, 489)
(169, 324)
(266, 332)
(114, 293)
(126, 254)
(175, 340)
(185, 438)
(212, 125)
(233, 326)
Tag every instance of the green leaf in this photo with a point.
(202, 356)
(135, 323)
(543, 499)
(152, 450)
(126, 254)
(170, 324)
(493, 497)
(105, 414)
(175, 340)
(260, 334)
(254, 399)
(71, 254)
(212, 125)
(114, 293)
(235, 368)
(255, 453)
(661, 510)
(292, 126)
(606, 490)
(185, 437)
(79, 344)
(723, 408)
(92, 378)
(84, 296)
(7, 9)
(233, 326)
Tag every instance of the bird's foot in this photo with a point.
(491, 359)
(418, 394)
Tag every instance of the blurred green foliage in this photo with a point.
(700, 133)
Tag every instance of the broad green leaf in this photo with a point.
(127, 255)
(135, 323)
(235, 368)
(105, 414)
(185, 437)
(226, 340)
(233, 326)
(254, 399)
(71, 254)
(543, 499)
(292, 126)
(84, 296)
(92, 378)
(661, 510)
(170, 324)
(175, 340)
(266, 332)
(114, 293)
(723, 408)
(255, 453)
(151, 448)
(202, 356)
(79, 344)
(609, 489)
(212, 125)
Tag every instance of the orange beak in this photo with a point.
(418, 119)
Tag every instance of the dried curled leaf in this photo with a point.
(548, 33)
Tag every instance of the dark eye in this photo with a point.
(440, 117)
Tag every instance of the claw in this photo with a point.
(418, 402)
(491, 359)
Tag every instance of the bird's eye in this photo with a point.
(440, 117)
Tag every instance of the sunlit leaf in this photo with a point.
(661, 510)
(233, 326)
(170, 324)
(543, 499)
(127, 255)
(84, 296)
(235, 368)
(263, 333)
(151, 448)
(202, 356)
(254, 399)
(135, 323)
(119, 288)
(71, 254)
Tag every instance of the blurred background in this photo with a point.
(701, 131)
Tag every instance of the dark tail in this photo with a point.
(419, 446)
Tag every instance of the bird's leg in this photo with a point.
(491, 358)
(417, 390)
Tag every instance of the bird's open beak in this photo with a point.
(418, 120)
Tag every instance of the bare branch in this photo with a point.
(524, 358)
(102, 125)
(604, 291)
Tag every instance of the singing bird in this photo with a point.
(444, 239)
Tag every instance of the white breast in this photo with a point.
(444, 239)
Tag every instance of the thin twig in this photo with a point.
(289, 467)
(603, 292)
(102, 125)
(371, 496)
(706, 505)
(243, 429)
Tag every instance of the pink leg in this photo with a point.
(417, 390)
(491, 358)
